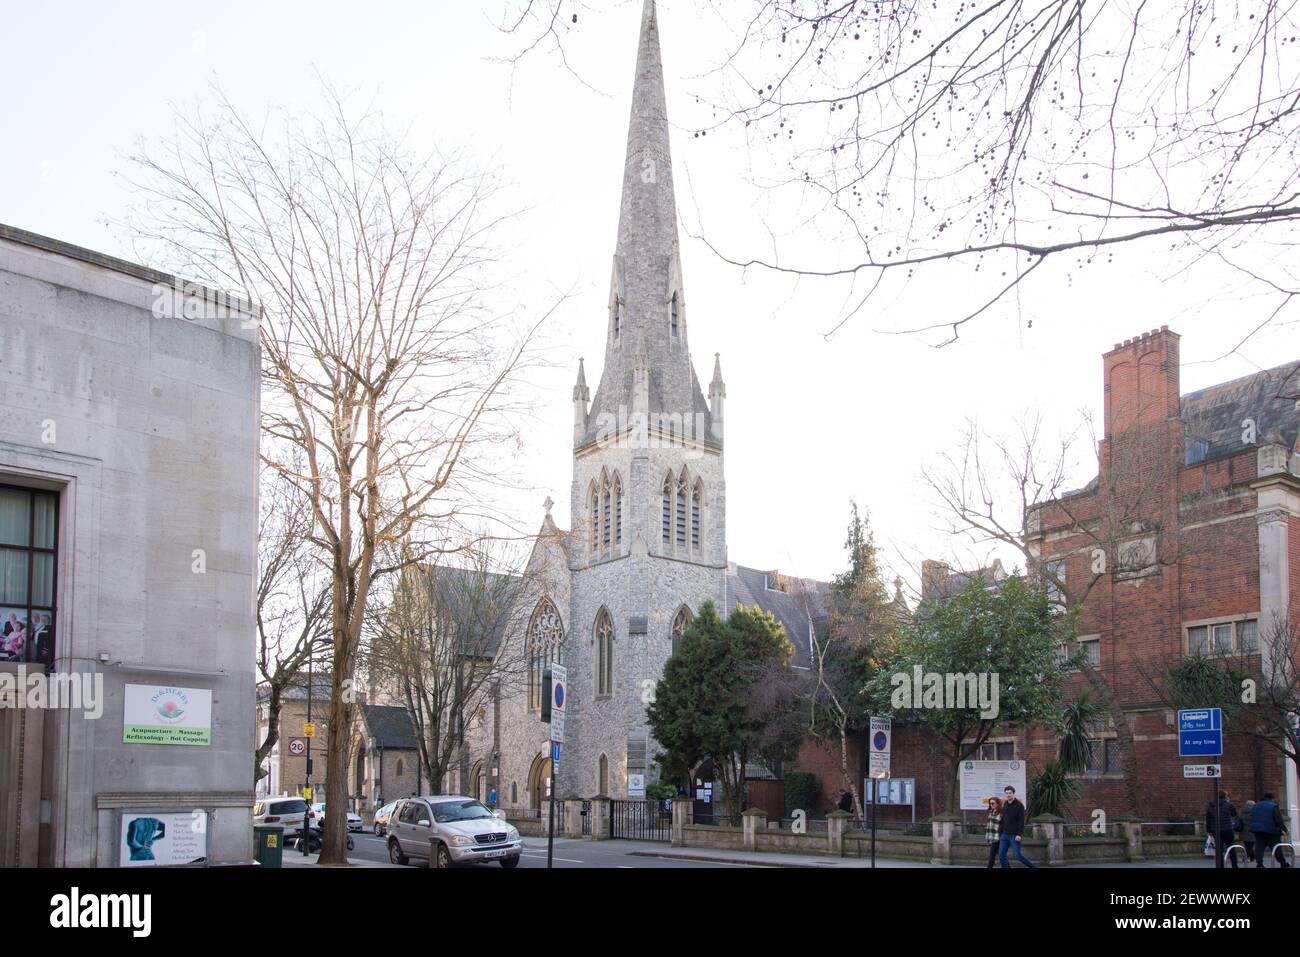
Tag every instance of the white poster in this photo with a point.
(981, 780)
(636, 785)
(164, 714)
(162, 838)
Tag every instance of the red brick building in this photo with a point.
(1187, 541)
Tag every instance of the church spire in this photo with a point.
(647, 325)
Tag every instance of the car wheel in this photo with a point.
(442, 858)
(509, 863)
(395, 853)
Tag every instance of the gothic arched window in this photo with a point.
(697, 498)
(595, 518)
(618, 509)
(674, 313)
(545, 636)
(668, 510)
(681, 621)
(604, 653)
(603, 775)
(604, 511)
(681, 510)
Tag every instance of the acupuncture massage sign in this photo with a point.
(164, 714)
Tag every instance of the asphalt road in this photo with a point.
(568, 853)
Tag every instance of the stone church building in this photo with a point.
(648, 545)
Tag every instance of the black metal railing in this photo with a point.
(586, 818)
(640, 821)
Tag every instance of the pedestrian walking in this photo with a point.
(1221, 822)
(1267, 825)
(1244, 835)
(993, 829)
(1011, 831)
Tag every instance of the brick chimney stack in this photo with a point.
(1141, 380)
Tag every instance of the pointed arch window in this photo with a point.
(681, 621)
(697, 498)
(604, 512)
(595, 517)
(682, 494)
(668, 510)
(545, 638)
(673, 309)
(604, 635)
(618, 510)
(604, 775)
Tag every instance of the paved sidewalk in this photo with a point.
(296, 859)
(748, 859)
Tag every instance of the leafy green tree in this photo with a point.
(724, 696)
(1002, 640)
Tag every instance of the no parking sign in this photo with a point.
(559, 696)
(881, 734)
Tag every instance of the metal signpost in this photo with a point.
(555, 687)
(1200, 735)
(881, 736)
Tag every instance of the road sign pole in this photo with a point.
(550, 826)
(874, 792)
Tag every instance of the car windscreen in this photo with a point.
(288, 807)
(448, 812)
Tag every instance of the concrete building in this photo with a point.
(128, 519)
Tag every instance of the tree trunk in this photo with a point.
(273, 706)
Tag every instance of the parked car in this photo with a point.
(382, 816)
(354, 820)
(285, 811)
(458, 829)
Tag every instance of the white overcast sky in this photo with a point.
(811, 422)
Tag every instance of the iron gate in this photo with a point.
(641, 820)
(586, 818)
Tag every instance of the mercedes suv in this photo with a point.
(450, 829)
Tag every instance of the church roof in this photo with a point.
(647, 272)
(791, 601)
(390, 726)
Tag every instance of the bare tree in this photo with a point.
(441, 646)
(386, 369)
(1003, 133)
(292, 600)
(1011, 492)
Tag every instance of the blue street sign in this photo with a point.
(555, 751)
(1200, 732)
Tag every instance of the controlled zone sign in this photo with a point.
(881, 736)
(559, 698)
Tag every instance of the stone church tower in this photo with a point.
(648, 501)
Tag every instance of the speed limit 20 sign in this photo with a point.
(297, 746)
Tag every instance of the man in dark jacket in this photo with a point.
(1267, 824)
(1221, 821)
(1012, 829)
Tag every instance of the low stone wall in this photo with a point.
(707, 835)
(889, 844)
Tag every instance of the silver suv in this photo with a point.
(460, 829)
